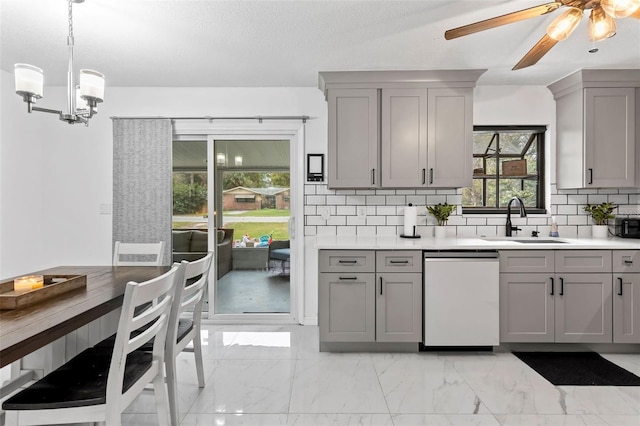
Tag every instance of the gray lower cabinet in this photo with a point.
(626, 296)
(583, 308)
(559, 305)
(347, 307)
(370, 296)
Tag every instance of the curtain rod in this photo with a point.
(260, 118)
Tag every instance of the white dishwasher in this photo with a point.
(461, 298)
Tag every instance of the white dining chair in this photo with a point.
(184, 325)
(138, 254)
(99, 383)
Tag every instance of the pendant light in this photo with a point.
(82, 99)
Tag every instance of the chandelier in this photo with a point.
(82, 99)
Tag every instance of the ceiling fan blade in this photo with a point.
(509, 18)
(538, 51)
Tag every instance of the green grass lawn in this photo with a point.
(257, 229)
(257, 213)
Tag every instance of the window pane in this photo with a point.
(473, 196)
(513, 143)
(481, 141)
(189, 200)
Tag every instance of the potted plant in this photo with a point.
(600, 213)
(441, 212)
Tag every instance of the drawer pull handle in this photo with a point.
(551, 286)
(628, 262)
(404, 262)
(620, 288)
(561, 286)
(351, 262)
(348, 278)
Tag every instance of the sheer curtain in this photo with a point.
(142, 200)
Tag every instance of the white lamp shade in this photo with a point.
(29, 80)
(81, 104)
(601, 25)
(92, 85)
(563, 25)
(620, 8)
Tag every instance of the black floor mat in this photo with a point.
(578, 369)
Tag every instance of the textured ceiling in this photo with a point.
(286, 43)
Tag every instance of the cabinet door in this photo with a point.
(626, 308)
(609, 126)
(346, 307)
(353, 138)
(526, 307)
(399, 307)
(404, 138)
(450, 138)
(583, 308)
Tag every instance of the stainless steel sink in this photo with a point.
(525, 240)
(539, 241)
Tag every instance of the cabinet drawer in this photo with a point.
(398, 261)
(626, 261)
(517, 261)
(583, 261)
(346, 261)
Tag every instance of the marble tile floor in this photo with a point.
(275, 375)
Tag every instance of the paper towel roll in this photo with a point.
(410, 219)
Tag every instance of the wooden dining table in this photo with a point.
(27, 329)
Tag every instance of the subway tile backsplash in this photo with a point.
(370, 212)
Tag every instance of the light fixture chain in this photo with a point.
(70, 19)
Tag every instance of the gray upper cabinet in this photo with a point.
(596, 115)
(419, 122)
(450, 138)
(404, 137)
(353, 138)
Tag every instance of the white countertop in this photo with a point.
(490, 243)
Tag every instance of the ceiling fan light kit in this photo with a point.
(601, 24)
(620, 8)
(82, 99)
(565, 24)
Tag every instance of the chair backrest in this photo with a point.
(138, 254)
(145, 315)
(189, 296)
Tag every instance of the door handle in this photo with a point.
(424, 176)
(380, 286)
(431, 175)
(292, 227)
(590, 176)
(373, 176)
(551, 287)
(561, 287)
(620, 288)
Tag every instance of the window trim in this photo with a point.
(541, 130)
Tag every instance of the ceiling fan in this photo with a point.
(602, 24)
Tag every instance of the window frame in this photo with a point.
(538, 137)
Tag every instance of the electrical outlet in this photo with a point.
(361, 211)
(323, 212)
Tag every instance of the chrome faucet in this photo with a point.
(523, 213)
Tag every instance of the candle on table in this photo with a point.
(28, 283)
